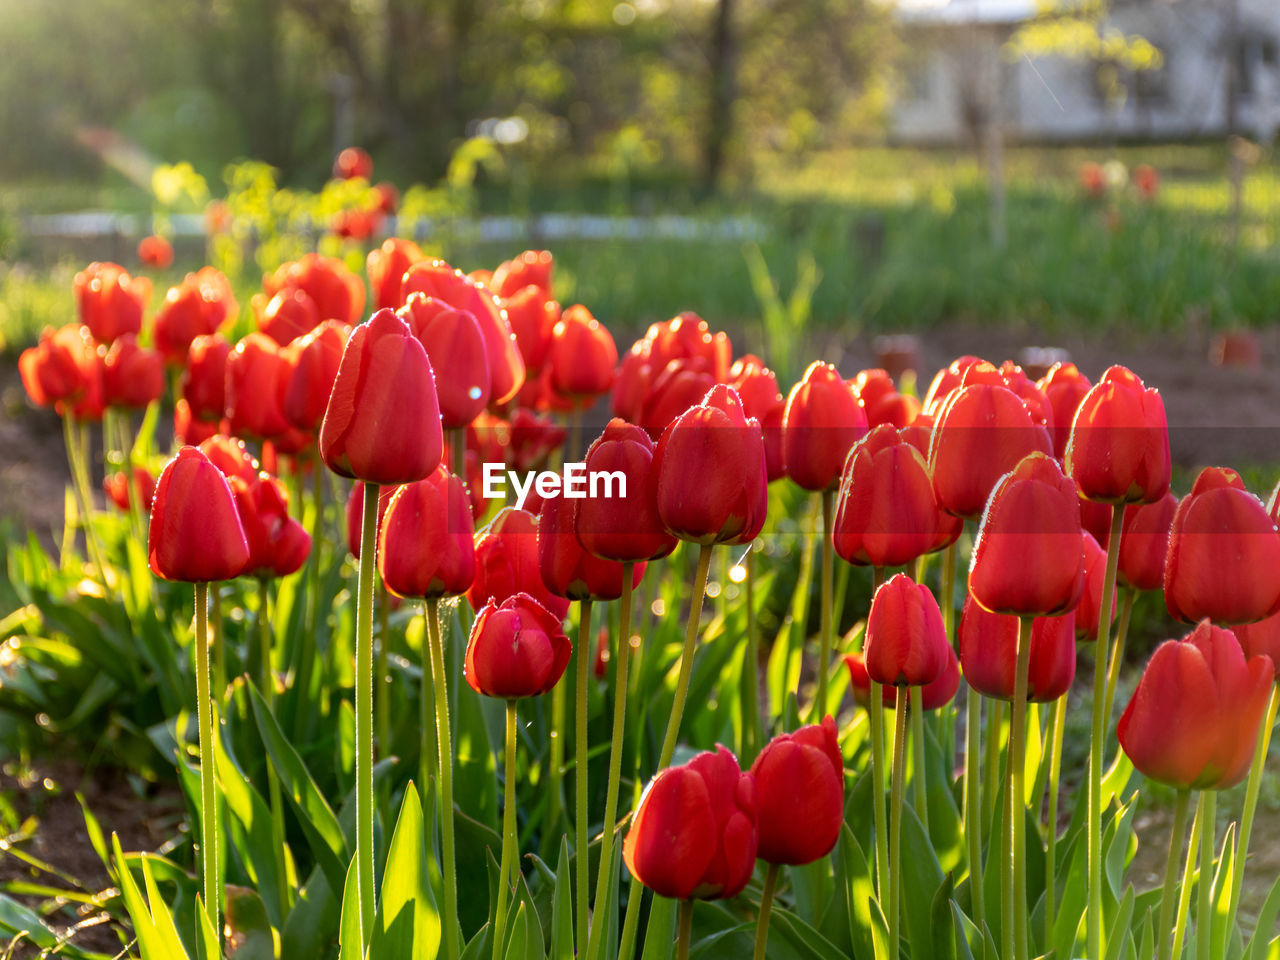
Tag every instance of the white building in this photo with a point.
(959, 65)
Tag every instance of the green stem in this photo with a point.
(1188, 877)
(211, 888)
(555, 801)
(948, 589)
(1051, 823)
(1251, 806)
(80, 483)
(920, 791)
(509, 838)
(819, 709)
(876, 712)
(1171, 873)
(382, 679)
(686, 930)
(609, 823)
(1097, 741)
(1117, 652)
(753, 736)
(307, 652)
(219, 643)
(267, 682)
(991, 762)
(1013, 924)
(1204, 908)
(973, 799)
(766, 907)
(458, 449)
(364, 712)
(448, 870)
(581, 850)
(895, 824)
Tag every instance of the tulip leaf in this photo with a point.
(1147, 940)
(350, 946)
(1119, 845)
(517, 935)
(154, 942)
(966, 935)
(344, 746)
(1118, 936)
(943, 946)
(407, 923)
(660, 934)
(246, 918)
(802, 937)
(921, 880)
(21, 921)
(313, 922)
(1073, 900)
(562, 908)
(880, 934)
(324, 834)
(1257, 949)
(479, 945)
(858, 888)
(946, 829)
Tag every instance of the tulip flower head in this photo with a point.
(625, 528)
(517, 649)
(567, 569)
(906, 644)
(1119, 446)
(693, 835)
(453, 342)
(507, 563)
(386, 267)
(426, 547)
(195, 533)
(62, 368)
(932, 695)
(823, 420)
(800, 794)
(988, 648)
(1064, 386)
(109, 301)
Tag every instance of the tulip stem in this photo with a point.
(458, 451)
(1188, 877)
(509, 838)
(876, 711)
(920, 792)
(1171, 872)
(211, 889)
(1097, 742)
(686, 930)
(1051, 821)
(1204, 908)
(80, 483)
(307, 652)
(267, 681)
(448, 871)
(973, 799)
(1013, 924)
(632, 920)
(752, 734)
(382, 686)
(1251, 805)
(219, 643)
(895, 822)
(364, 712)
(1117, 651)
(947, 589)
(819, 708)
(555, 762)
(582, 852)
(766, 907)
(991, 762)
(609, 825)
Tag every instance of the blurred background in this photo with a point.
(863, 165)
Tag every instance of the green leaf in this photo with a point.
(854, 872)
(1118, 935)
(660, 934)
(313, 922)
(407, 924)
(562, 908)
(518, 938)
(966, 934)
(249, 924)
(349, 944)
(206, 936)
(921, 880)
(151, 942)
(17, 920)
(803, 937)
(944, 941)
(1257, 949)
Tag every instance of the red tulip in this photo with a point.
(1119, 446)
(386, 198)
(119, 490)
(533, 316)
(946, 382)
(582, 357)
(823, 420)
(507, 563)
(1095, 517)
(386, 267)
(1029, 556)
(981, 433)
(1093, 179)
(1029, 392)
(531, 268)
(353, 162)
(199, 305)
(204, 378)
(693, 834)
(567, 569)
(886, 514)
(290, 314)
(632, 384)
(1089, 609)
(257, 374)
(1147, 181)
(355, 224)
(1144, 543)
(1224, 552)
(932, 695)
(155, 251)
(313, 361)
(435, 278)
(110, 302)
(517, 649)
(382, 424)
(354, 514)
(426, 547)
(531, 440)
(132, 376)
(988, 648)
(712, 486)
(454, 343)
(624, 527)
(62, 368)
(800, 790)
(1261, 638)
(1065, 386)
(757, 385)
(230, 456)
(337, 292)
(189, 430)
(905, 642)
(1194, 717)
(688, 335)
(195, 532)
(278, 544)
(677, 387)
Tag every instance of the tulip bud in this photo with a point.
(533, 316)
(195, 533)
(290, 314)
(1089, 610)
(531, 268)
(204, 378)
(800, 790)
(1144, 543)
(517, 649)
(1119, 446)
(582, 357)
(905, 641)
(693, 834)
(507, 563)
(278, 544)
(886, 514)
(757, 385)
(109, 301)
(453, 342)
(823, 420)
(1261, 638)
(567, 569)
(386, 267)
(61, 368)
(188, 430)
(196, 307)
(155, 251)
(337, 292)
(313, 361)
(531, 441)
(988, 648)
(932, 695)
(623, 527)
(256, 373)
(353, 162)
(132, 376)
(946, 382)
(354, 513)
(1064, 386)
(712, 486)
(1029, 556)
(1194, 717)
(426, 547)
(382, 424)
(677, 387)
(1224, 552)
(120, 491)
